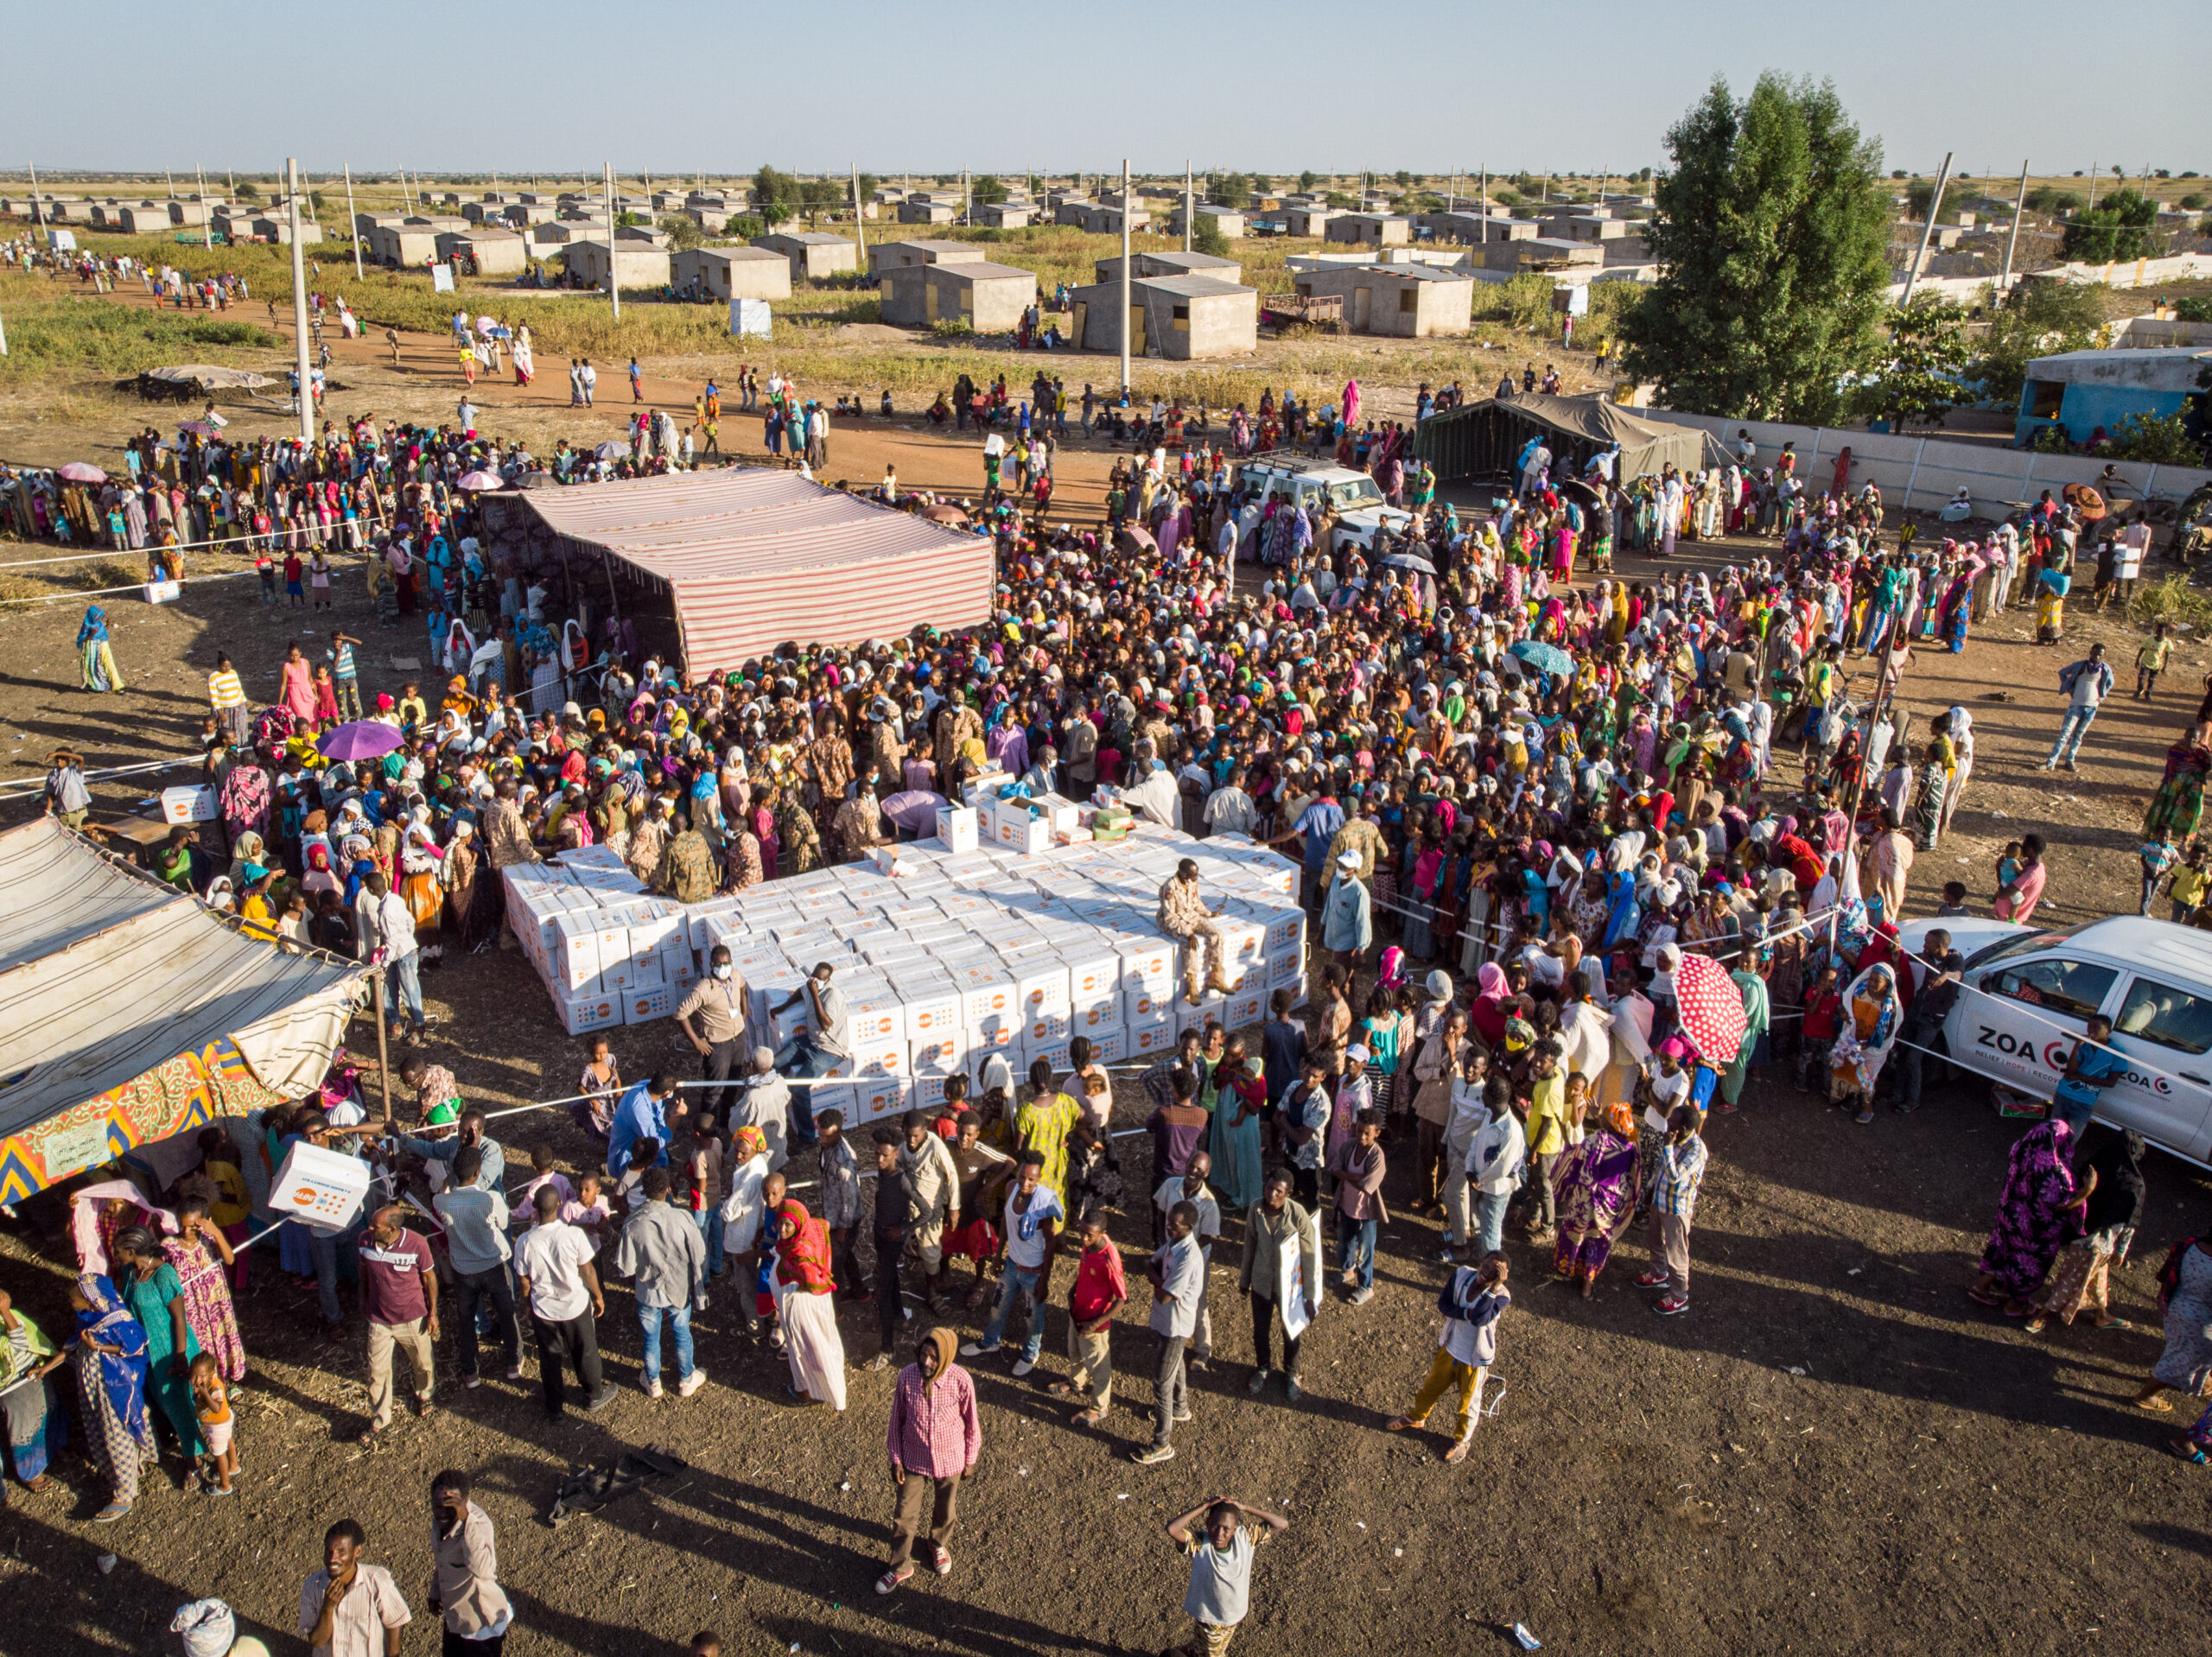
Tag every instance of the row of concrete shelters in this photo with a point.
(1412, 302)
(990, 298)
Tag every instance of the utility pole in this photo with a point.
(613, 286)
(299, 307)
(353, 229)
(1482, 205)
(1928, 230)
(2093, 184)
(2019, 206)
(1186, 203)
(1125, 275)
(207, 218)
(860, 227)
(38, 219)
(967, 200)
(170, 179)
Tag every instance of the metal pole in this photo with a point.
(613, 287)
(207, 218)
(2093, 184)
(299, 306)
(1482, 204)
(384, 1050)
(1125, 275)
(1928, 230)
(38, 221)
(860, 227)
(2012, 241)
(1186, 203)
(353, 229)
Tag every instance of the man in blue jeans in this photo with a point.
(2088, 682)
(1359, 1165)
(821, 1045)
(1027, 1246)
(665, 1256)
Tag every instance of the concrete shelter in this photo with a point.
(1173, 264)
(1408, 301)
(636, 264)
(733, 272)
(989, 297)
(494, 252)
(1369, 229)
(913, 212)
(1228, 221)
(1184, 318)
(814, 254)
(1003, 215)
(899, 256)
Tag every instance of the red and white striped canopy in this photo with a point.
(756, 557)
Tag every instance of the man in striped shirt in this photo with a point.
(227, 697)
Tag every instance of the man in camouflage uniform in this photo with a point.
(687, 868)
(857, 826)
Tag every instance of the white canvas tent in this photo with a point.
(134, 1011)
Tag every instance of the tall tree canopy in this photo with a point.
(1769, 231)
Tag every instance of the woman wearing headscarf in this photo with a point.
(151, 1289)
(1597, 1186)
(803, 1288)
(1961, 734)
(1239, 1100)
(35, 1427)
(96, 656)
(2113, 1205)
(2036, 1214)
(111, 1371)
(1869, 1019)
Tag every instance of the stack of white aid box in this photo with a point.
(957, 957)
(609, 952)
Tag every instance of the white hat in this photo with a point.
(1440, 985)
(1348, 860)
(1356, 1053)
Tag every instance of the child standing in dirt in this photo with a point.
(211, 1403)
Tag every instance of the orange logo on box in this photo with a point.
(304, 1197)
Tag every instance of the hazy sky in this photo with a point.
(1425, 85)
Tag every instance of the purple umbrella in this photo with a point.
(367, 738)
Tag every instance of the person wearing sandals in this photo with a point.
(1472, 1303)
(2109, 1215)
(2036, 1217)
(934, 1440)
(2186, 1301)
(112, 1383)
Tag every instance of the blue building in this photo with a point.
(2086, 390)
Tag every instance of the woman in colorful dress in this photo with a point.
(2036, 1216)
(111, 1372)
(199, 1254)
(35, 1427)
(149, 1287)
(804, 1303)
(1596, 1185)
(1862, 1047)
(2112, 1206)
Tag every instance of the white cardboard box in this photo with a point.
(647, 1002)
(879, 1096)
(945, 1055)
(1151, 1038)
(189, 802)
(1100, 1018)
(1046, 1026)
(879, 1058)
(995, 1034)
(588, 1010)
(1140, 1004)
(1041, 984)
(323, 1188)
(1210, 1011)
(1110, 1047)
(1245, 1008)
(572, 959)
(958, 828)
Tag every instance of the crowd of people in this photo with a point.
(1521, 800)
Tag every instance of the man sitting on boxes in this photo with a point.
(1185, 918)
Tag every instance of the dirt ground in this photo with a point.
(1833, 1451)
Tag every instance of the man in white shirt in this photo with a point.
(1495, 1158)
(385, 933)
(554, 1269)
(1191, 1187)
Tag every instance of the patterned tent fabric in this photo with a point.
(1712, 1008)
(130, 1011)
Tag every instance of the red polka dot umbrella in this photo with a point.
(1712, 1009)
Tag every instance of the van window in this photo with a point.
(2056, 985)
(2019, 943)
(2165, 1016)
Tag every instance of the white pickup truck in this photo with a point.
(2027, 994)
(1353, 496)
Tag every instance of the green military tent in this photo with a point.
(1483, 441)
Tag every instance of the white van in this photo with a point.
(2029, 992)
(1361, 510)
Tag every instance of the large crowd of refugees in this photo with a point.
(1520, 798)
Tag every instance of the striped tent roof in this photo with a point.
(756, 557)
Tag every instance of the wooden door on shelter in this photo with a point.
(1136, 330)
(1082, 324)
(1362, 308)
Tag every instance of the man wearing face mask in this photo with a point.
(713, 1016)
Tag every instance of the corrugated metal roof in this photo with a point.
(104, 975)
(757, 557)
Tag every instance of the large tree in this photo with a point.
(2122, 226)
(1769, 231)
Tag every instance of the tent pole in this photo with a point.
(384, 1049)
(306, 398)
